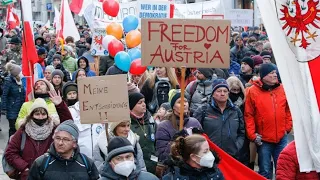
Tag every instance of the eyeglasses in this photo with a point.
(64, 140)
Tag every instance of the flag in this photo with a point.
(66, 21)
(231, 168)
(79, 6)
(29, 53)
(56, 21)
(293, 30)
(12, 17)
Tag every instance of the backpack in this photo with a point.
(47, 161)
(193, 89)
(7, 168)
(160, 94)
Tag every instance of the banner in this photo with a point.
(96, 46)
(240, 17)
(191, 43)
(153, 9)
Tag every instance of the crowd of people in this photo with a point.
(243, 110)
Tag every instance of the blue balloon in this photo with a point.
(123, 61)
(130, 23)
(134, 53)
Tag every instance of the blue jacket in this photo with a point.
(88, 58)
(12, 98)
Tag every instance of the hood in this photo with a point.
(257, 82)
(207, 82)
(108, 172)
(39, 38)
(53, 152)
(88, 58)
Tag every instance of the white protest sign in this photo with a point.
(153, 9)
(196, 10)
(240, 17)
(96, 46)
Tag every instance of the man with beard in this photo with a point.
(247, 67)
(41, 90)
(13, 53)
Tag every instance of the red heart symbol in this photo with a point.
(207, 45)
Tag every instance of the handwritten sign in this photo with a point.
(96, 46)
(151, 9)
(191, 43)
(240, 17)
(103, 98)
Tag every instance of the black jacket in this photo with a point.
(224, 129)
(62, 169)
(66, 73)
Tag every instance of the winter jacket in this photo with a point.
(66, 73)
(32, 149)
(88, 133)
(13, 97)
(63, 169)
(165, 133)
(235, 68)
(288, 166)
(105, 63)
(245, 78)
(114, 70)
(89, 72)
(237, 53)
(225, 129)
(186, 172)
(3, 42)
(145, 125)
(70, 64)
(82, 47)
(137, 174)
(198, 92)
(51, 52)
(267, 113)
(100, 150)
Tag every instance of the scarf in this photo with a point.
(39, 133)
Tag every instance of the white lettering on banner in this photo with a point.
(240, 17)
(152, 10)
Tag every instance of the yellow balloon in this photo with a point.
(133, 38)
(115, 29)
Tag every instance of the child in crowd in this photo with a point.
(162, 112)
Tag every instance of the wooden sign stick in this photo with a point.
(106, 126)
(183, 75)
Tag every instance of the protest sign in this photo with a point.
(240, 17)
(213, 16)
(190, 42)
(96, 46)
(103, 98)
(153, 9)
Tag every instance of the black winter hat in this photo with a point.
(134, 98)
(41, 51)
(207, 72)
(166, 106)
(248, 61)
(118, 145)
(265, 54)
(15, 40)
(69, 86)
(265, 69)
(89, 40)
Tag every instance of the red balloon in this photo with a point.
(114, 47)
(136, 68)
(111, 7)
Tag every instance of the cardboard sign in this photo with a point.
(153, 9)
(103, 98)
(240, 17)
(96, 46)
(191, 43)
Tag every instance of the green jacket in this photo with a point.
(70, 64)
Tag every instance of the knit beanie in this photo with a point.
(265, 69)
(174, 95)
(248, 61)
(218, 83)
(69, 86)
(265, 54)
(14, 69)
(57, 56)
(70, 127)
(244, 35)
(41, 51)
(39, 103)
(207, 72)
(166, 106)
(113, 125)
(257, 60)
(118, 145)
(134, 98)
(49, 68)
(15, 40)
(57, 72)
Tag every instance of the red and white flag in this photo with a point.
(12, 17)
(79, 6)
(293, 27)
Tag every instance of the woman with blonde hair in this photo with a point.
(139, 80)
(237, 91)
(157, 87)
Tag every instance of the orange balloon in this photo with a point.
(115, 29)
(133, 38)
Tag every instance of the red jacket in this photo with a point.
(288, 166)
(33, 149)
(267, 113)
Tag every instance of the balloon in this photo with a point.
(136, 68)
(134, 53)
(106, 40)
(122, 61)
(111, 7)
(114, 47)
(133, 38)
(130, 23)
(115, 30)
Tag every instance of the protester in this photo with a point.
(83, 63)
(238, 51)
(42, 54)
(13, 95)
(266, 56)
(64, 159)
(56, 80)
(120, 163)
(52, 52)
(237, 92)
(70, 93)
(189, 77)
(247, 69)
(193, 160)
(13, 53)
(38, 127)
(3, 41)
(81, 45)
(80, 73)
(266, 125)
(47, 72)
(68, 62)
(57, 65)
(39, 42)
(139, 80)
(162, 112)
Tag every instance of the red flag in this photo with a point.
(76, 6)
(171, 10)
(231, 168)
(12, 18)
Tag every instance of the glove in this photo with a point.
(258, 140)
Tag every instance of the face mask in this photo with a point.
(207, 160)
(233, 96)
(71, 102)
(125, 168)
(40, 122)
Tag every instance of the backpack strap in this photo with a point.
(204, 112)
(23, 141)
(193, 90)
(86, 163)
(44, 165)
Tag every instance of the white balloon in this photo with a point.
(106, 40)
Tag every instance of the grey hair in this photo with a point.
(54, 135)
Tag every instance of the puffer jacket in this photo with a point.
(198, 93)
(237, 53)
(63, 169)
(288, 166)
(100, 150)
(165, 133)
(224, 129)
(13, 97)
(70, 64)
(267, 113)
(88, 133)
